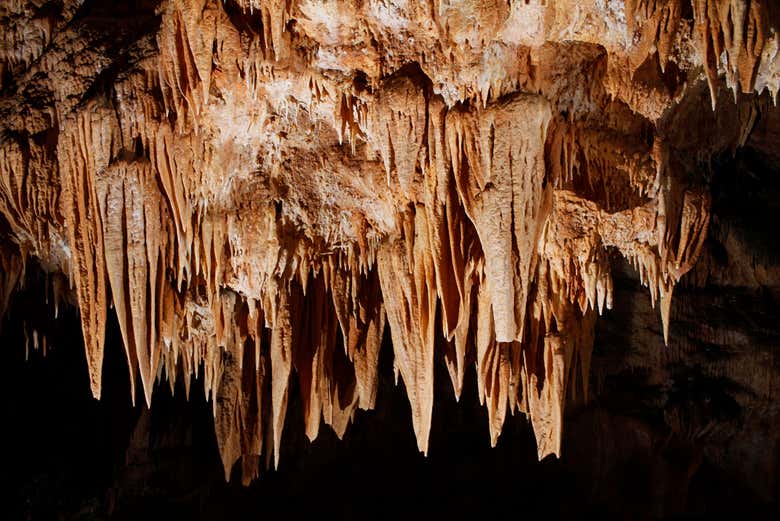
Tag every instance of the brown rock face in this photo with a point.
(257, 187)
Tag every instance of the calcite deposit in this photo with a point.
(257, 189)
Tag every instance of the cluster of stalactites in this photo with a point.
(737, 30)
(494, 254)
(166, 280)
(730, 36)
(515, 263)
(330, 335)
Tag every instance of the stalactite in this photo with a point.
(498, 165)
(12, 272)
(408, 288)
(400, 124)
(84, 147)
(358, 307)
(285, 309)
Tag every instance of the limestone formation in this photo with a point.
(255, 188)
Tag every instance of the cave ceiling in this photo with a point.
(258, 189)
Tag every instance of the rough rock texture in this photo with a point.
(255, 188)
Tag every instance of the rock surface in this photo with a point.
(257, 188)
